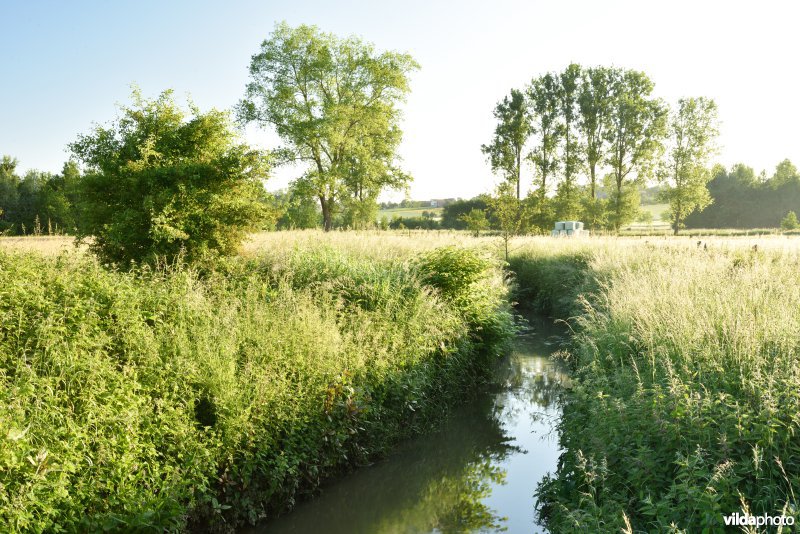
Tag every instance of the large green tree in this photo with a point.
(505, 151)
(594, 121)
(638, 127)
(335, 104)
(161, 183)
(568, 91)
(545, 112)
(693, 129)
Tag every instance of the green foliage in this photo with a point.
(335, 103)
(476, 221)
(638, 127)
(509, 214)
(594, 122)
(297, 212)
(594, 212)
(413, 223)
(582, 121)
(469, 280)
(38, 202)
(546, 112)
(452, 214)
(693, 130)
(685, 385)
(161, 185)
(742, 200)
(790, 221)
(645, 217)
(358, 213)
(152, 401)
(505, 152)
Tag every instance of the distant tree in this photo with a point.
(595, 212)
(452, 213)
(645, 217)
(545, 113)
(638, 126)
(567, 203)
(785, 173)
(693, 130)
(790, 221)
(335, 103)
(413, 223)
(594, 122)
(9, 194)
(298, 212)
(476, 221)
(508, 214)
(358, 212)
(59, 200)
(505, 151)
(160, 184)
(29, 199)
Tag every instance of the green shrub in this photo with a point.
(471, 281)
(161, 186)
(790, 221)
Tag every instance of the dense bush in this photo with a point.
(686, 387)
(414, 223)
(156, 400)
(160, 184)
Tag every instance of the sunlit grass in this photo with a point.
(687, 379)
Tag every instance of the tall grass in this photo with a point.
(686, 400)
(145, 401)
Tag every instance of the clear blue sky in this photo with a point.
(64, 65)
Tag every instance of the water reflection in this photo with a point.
(477, 473)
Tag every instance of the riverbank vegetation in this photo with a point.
(685, 390)
(159, 399)
(312, 352)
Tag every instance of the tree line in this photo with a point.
(743, 199)
(591, 138)
(37, 202)
(162, 181)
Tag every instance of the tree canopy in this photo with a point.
(693, 131)
(335, 104)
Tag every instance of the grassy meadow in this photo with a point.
(174, 399)
(687, 384)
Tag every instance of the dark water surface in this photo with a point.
(477, 473)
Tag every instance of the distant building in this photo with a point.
(441, 202)
(568, 229)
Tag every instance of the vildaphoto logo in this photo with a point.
(743, 520)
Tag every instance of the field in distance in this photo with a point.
(407, 212)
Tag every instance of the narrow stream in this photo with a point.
(477, 473)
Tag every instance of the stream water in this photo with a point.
(477, 473)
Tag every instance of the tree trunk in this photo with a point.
(327, 219)
(592, 171)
